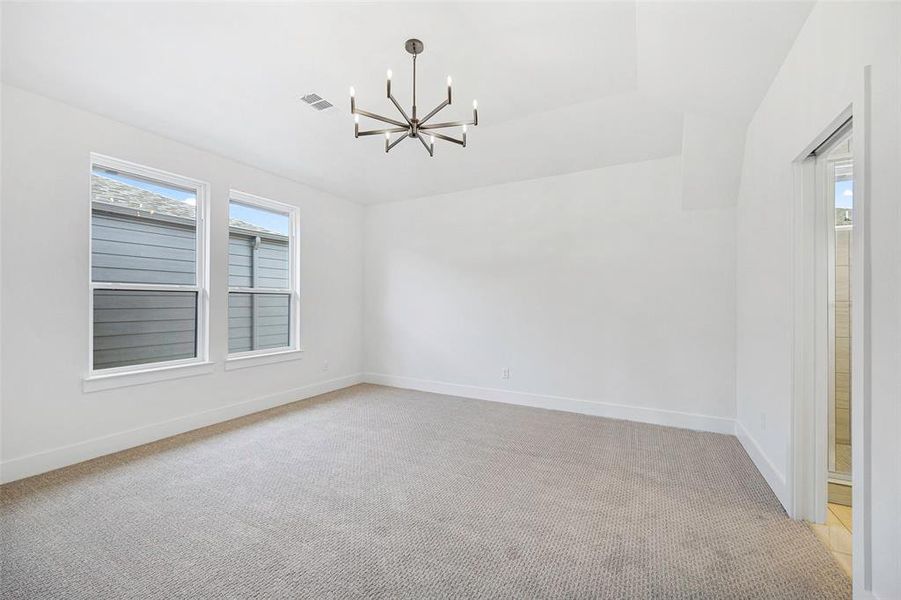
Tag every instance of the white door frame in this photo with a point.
(824, 282)
(807, 480)
(807, 477)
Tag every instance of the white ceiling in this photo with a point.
(561, 87)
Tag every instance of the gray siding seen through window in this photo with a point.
(257, 262)
(129, 250)
(145, 327)
(137, 327)
(258, 321)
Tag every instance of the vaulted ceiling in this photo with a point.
(561, 87)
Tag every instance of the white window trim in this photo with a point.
(243, 360)
(156, 371)
(293, 350)
(170, 370)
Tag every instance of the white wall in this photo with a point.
(593, 288)
(48, 421)
(822, 75)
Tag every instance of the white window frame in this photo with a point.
(293, 349)
(162, 369)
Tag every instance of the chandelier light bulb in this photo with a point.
(475, 104)
(464, 128)
(432, 139)
(387, 136)
(449, 81)
(357, 120)
(389, 73)
(352, 92)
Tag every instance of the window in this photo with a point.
(262, 276)
(148, 268)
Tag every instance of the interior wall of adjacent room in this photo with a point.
(822, 75)
(46, 186)
(595, 288)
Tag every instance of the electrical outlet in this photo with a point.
(324, 366)
(505, 373)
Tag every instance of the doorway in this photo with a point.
(834, 184)
(837, 165)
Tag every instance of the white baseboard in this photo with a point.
(773, 476)
(41, 462)
(48, 460)
(655, 416)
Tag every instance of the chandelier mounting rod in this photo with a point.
(414, 86)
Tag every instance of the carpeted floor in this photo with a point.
(378, 492)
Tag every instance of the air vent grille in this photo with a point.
(316, 101)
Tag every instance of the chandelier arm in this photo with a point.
(427, 147)
(448, 124)
(448, 138)
(433, 113)
(383, 131)
(400, 110)
(380, 118)
(397, 141)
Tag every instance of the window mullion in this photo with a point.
(143, 287)
(246, 290)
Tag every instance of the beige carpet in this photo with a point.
(376, 492)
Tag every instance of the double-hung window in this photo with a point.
(149, 300)
(263, 294)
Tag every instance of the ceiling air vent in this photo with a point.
(317, 102)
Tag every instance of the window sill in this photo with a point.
(94, 383)
(254, 360)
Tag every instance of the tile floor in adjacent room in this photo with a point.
(836, 534)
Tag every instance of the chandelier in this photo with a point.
(412, 126)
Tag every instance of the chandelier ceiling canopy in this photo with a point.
(412, 126)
